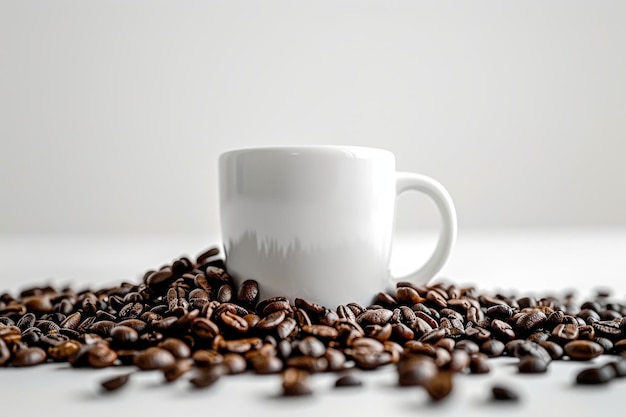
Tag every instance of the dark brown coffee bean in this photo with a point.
(565, 332)
(308, 363)
(153, 358)
(408, 296)
(492, 348)
(271, 321)
(234, 322)
(266, 364)
(27, 320)
(440, 386)
(502, 393)
(582, 350)
(101, 356)
(500, 311)
(608, 329)
(179, 368)
(286, 327)
(115, 383)
(124, 335)
(208, 376)
(335, 358)
(5, 353)
(349, 380)
(586, 332)
(594, 376)
(554, 350)
(29, 356)
(319, 330)
(459, 360)
(468, 345)
(416, 370)
(176, 347)
(477, 334)
(295, 382)
(312, 346)
(209, 253)
(235, 363)
(204, 358)
(478, 364)
(379, 316)
(433, 336)
(532, 365)
(204, 328)
(72, 321)
(502, 330)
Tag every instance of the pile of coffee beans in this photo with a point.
(189, 318)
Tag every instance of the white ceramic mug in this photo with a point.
(316, 222)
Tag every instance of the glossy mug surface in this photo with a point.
(316, 222)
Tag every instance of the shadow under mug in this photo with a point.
(316, 222)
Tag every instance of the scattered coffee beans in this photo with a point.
(191, 317)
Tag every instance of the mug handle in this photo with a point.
(406, 181)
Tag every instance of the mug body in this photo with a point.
(313, 222)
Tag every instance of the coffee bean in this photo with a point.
(101, 356)
(594, 376)
(532, 365)
(478, 364)
(502, 393)
(492, 348)
(565, 332)
(582, 350)
(500, 311)
(295, 382)
(124, 335)
(440, 386)
(554, 350)
(115, 383)
(349, 380)
(5, 353)
(502, 330)
(235, 363)
(271, 321)
(177, 369)
(208, 376)
(153, 358)
(379, 316)
(176, 347)
(29, 357)
(416, 370)
(64, 351)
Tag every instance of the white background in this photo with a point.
(113, 113)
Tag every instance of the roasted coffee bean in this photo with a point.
(408, 296)
(500, 311)
(204, 328)
(416, 370)
(308, 363)
(502, 393)
(176, 347)
(29, 356)
(594, 376)
(478, 364)
(27, 320)
(468, 345)
(335, 358)
(582, 350)
(295, 382)
(153, 358)
(286, 327)
(492, 348)
(379, 316)
(235, 363)
(124, 335)
(115, 383)
(565, 332)
(271, 321)
(101, 356)
(204, 358)
(440, 386)
(179, 368)
(208, 376)
(311, 346)
(266, 364)
(502, 330)
(349, 380)
(528, 348)
(319, 330)
(532, 365)
(554, 350)
(5, 353)
(459, 360)
(64, 350)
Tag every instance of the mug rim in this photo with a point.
(354, 150)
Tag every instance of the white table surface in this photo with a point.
(529, 262)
